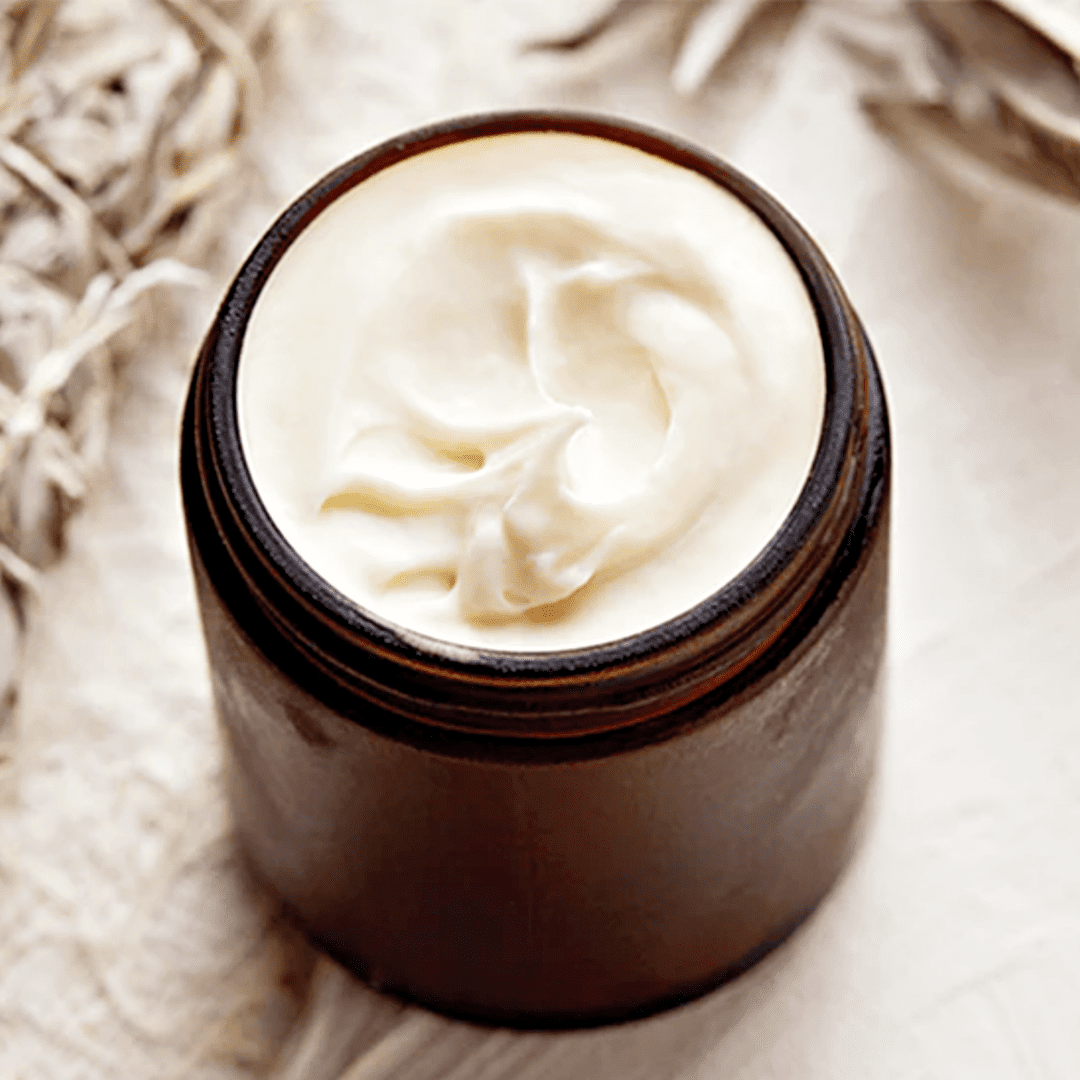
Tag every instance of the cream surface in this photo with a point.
(531, 392)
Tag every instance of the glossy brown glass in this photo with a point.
(560, 838)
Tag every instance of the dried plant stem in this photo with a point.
(210, 30)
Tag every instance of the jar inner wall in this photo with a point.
(533, 391)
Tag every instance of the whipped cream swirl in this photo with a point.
(550, 374)
(585, 419)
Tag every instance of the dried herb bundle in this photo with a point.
(993, 84)
(120, 123)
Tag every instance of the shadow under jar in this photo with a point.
(558, 838)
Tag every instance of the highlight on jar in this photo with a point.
(536, 472)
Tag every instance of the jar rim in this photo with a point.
(619, 660)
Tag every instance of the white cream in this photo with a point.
(531, 392)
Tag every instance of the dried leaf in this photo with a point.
(1057, 20)
(975, 83)
(930, 130)
(1003, 52)
(707, 33)
(710, 38)
(607, 20)
(31, 32)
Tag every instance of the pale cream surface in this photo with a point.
(531, 392)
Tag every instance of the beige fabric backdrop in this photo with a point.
(130, 944)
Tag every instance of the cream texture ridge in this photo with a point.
(531, 392)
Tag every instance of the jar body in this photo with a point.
(546, 877)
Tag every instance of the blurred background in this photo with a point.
(933, 151)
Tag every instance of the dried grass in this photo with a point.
(121, 123)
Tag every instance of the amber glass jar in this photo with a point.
(559, 838)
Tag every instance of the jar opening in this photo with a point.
(724, 632)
